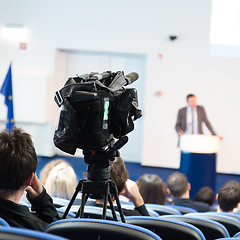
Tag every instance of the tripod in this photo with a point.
(98, 182)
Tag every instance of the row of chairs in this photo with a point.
(160, 209)
(169, 227)
(211, 224)
(135, 228)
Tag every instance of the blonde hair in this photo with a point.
(59, 179)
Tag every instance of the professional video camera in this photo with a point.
(94, 109)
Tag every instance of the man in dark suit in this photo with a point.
(179, 188)
(190, 118)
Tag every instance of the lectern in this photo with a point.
(198, 160)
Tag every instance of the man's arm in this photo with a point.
(41, 202)
(179, 123)
(131, 191)
(208, 124)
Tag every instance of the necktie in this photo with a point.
(192, 120)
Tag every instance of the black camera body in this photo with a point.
(95, 109)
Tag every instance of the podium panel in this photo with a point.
(200, 170)
(198, 160)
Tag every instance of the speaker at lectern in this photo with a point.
(198, 160)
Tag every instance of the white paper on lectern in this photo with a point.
(199, 143)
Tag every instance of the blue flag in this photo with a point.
(6, 90)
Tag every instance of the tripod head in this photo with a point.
(100, 161)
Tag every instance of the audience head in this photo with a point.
(119, 173)
(59, 179)
(229, 196)
(18, 159)
(178, 185)
(152, 189)
(206, 195)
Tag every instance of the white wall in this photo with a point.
(134, 26)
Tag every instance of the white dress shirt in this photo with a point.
(192, 121)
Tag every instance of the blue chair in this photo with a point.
(26, 234)
(225, 238)
(210, 229)
(3, 223)
(61, 212)
(237, 235)
(167, 228)
(237, 216)
(94, 229)
(231, 224)
(60, 202)
(151, 212)
(92, 212)
(184, 210)
(162, 209)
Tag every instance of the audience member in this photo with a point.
(59, 179)
(152, 189)
(18, 162)
(228, 196)
(125, 187)
(179, 189)
(206, 195)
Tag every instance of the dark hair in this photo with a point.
(190, 95)
(205, 194)
(152, 189)
(119, 173)
(177, 184)
(229, 196)
(18, 159)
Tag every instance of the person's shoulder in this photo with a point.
(200, 107)
(182, 109)
(201, 206)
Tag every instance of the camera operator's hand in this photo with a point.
(132, 193)
(35, 188)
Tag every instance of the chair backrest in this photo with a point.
(210, 229)
(92, 212)
(13, 233)
(237, 235)
(61, 212)
(162, 209)
(3, 223)
(231, 224)
(60, 202)
(167, 228)
(151, 212)
(184, 210)
(94, 229)
(237, 216)
(224, 238)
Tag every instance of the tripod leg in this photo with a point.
(120, 209)
(115, 192)
(80, 212)
(105, 207)
(112, 207)
(73, 198)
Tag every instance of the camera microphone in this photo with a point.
(131, 77)
(119, 80)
